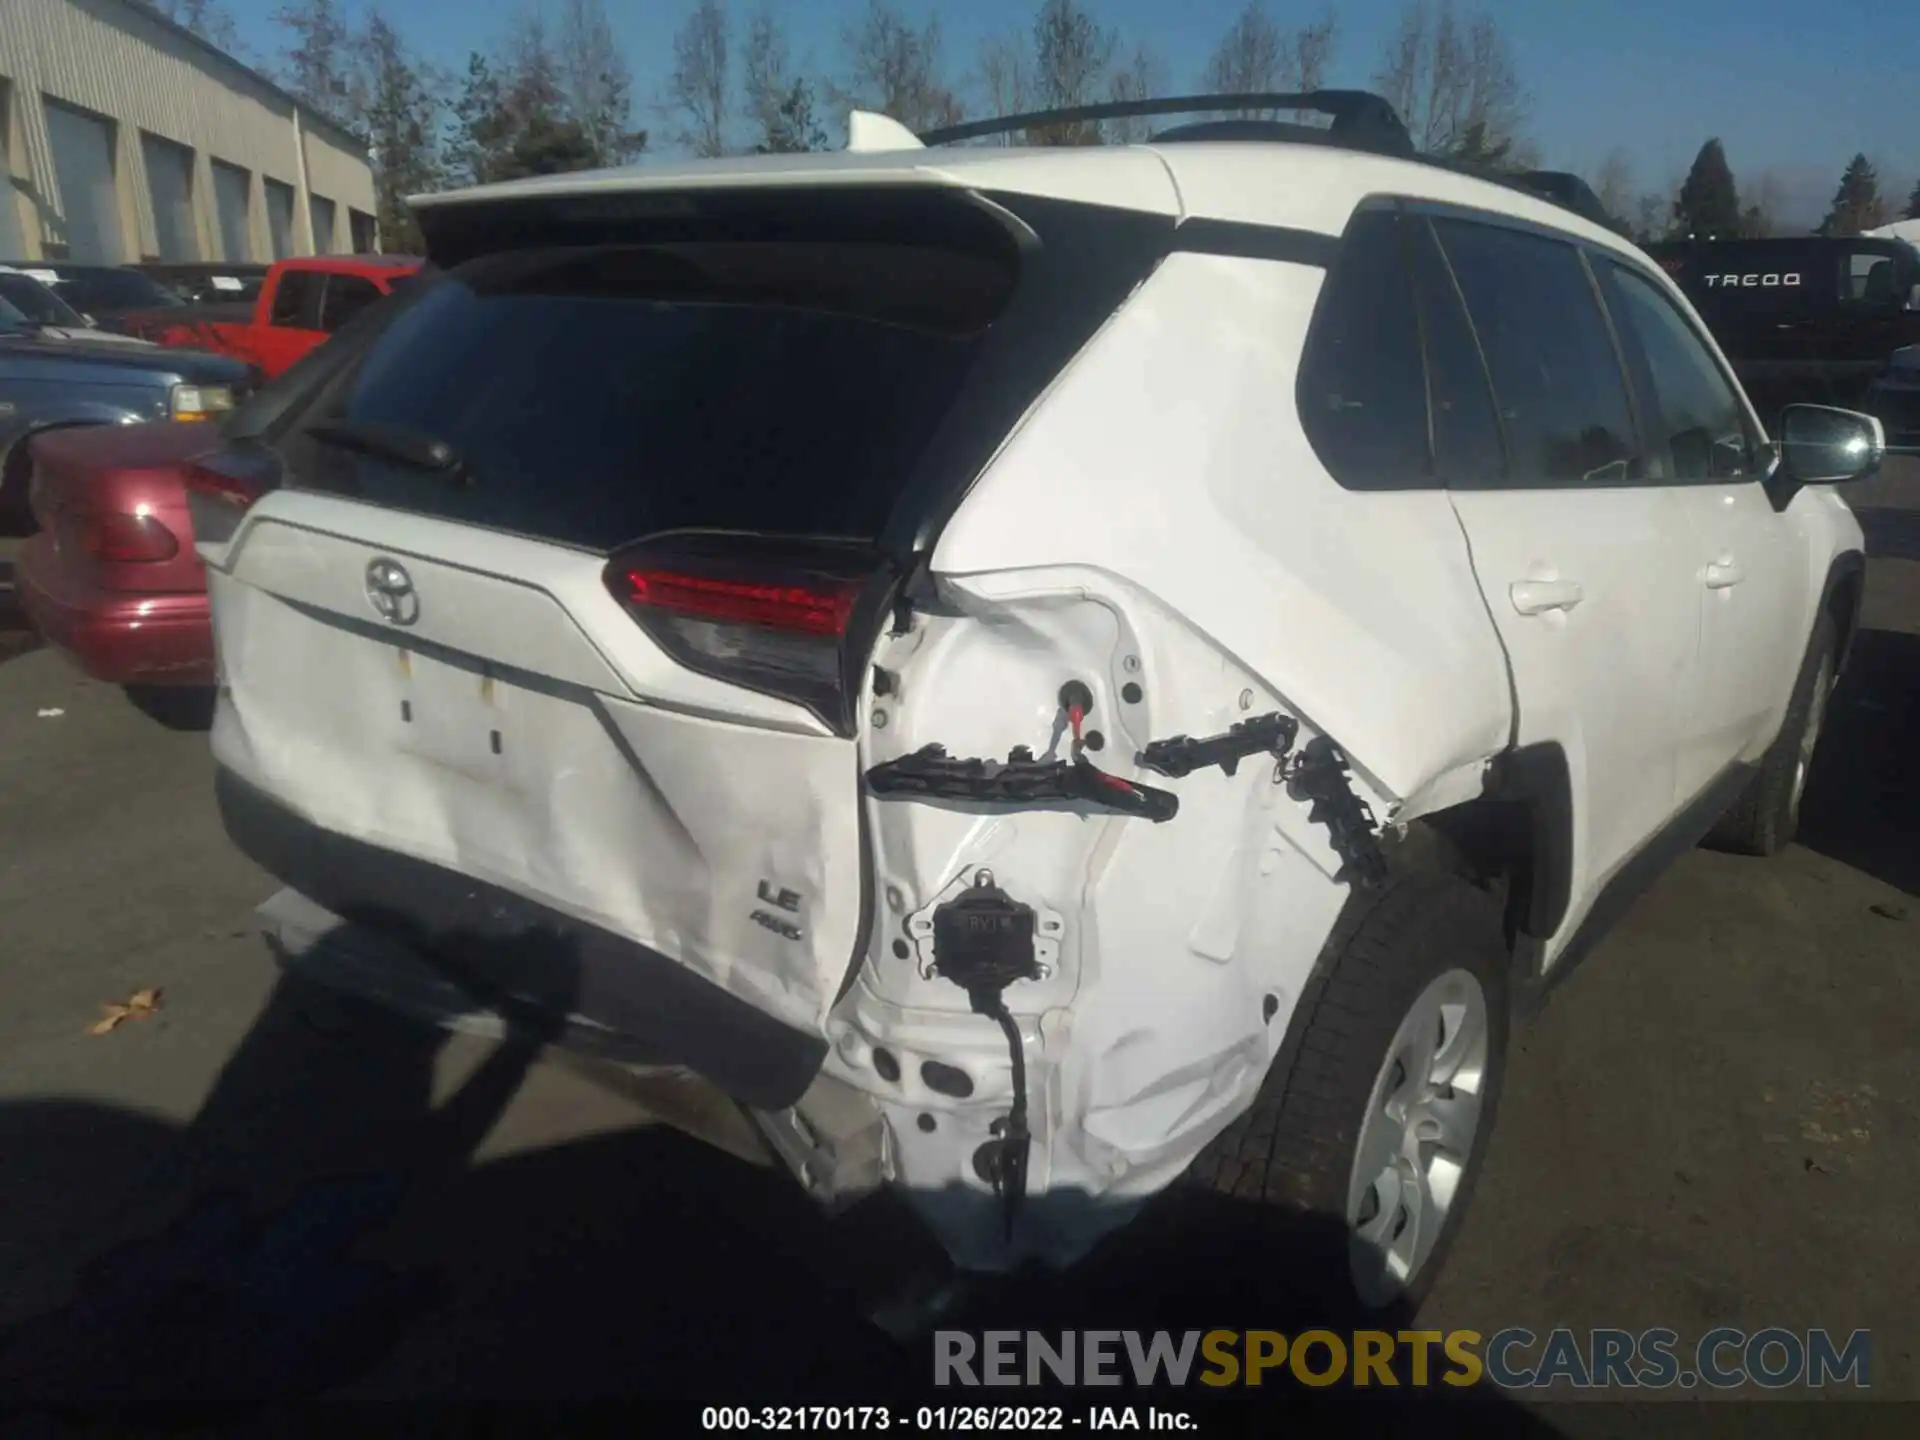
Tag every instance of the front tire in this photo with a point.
(1376, 1112)
(1766, 816)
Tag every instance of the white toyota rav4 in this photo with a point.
(1040, 671)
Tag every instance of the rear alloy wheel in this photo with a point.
(1374, 1118)
(1767, 814)
(1421, 1124)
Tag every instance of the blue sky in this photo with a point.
(1790, 85)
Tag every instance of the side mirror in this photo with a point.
(1820, 445)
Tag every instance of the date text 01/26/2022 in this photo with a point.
(940, 1419)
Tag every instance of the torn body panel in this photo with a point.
(1168, 956)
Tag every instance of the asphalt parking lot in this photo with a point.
(1714, 1123)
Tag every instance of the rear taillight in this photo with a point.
(216, 502)
(119, 538)
(792, 619)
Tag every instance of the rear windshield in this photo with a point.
(111, 292)
(594, 395)
(31, 300)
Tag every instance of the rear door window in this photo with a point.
(599, 394)
(296, 300)
(346, 296)
(1557, 380)
(1871, 279)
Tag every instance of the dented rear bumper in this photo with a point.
(570, 982)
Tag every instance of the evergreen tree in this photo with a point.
(1857, 204)
(1708, 206)
(1913, 203)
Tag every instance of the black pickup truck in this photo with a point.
(1803, 319)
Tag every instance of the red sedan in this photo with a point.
(112, 578)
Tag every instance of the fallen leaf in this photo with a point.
(138, 1006)
(1889, 912)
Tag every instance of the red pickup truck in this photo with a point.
(300, 304)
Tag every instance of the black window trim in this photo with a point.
(1479, 350)
(311, 280)
(1641, 373)
(333, 277)
(1583, 248)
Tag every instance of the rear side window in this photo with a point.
(346, 297)
(599, 394)
(1361, 392)
(1556, 378)
(296, 300)
(1871, 278)
(1694, 415)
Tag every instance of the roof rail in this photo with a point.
(1361, 120)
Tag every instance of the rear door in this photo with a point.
(608, 658)
(293, 320)
(1584, 563)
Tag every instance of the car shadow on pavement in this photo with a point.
(1891, 533)
(177, 707)
(322, 1228)
(17, 637)
(1862, 805)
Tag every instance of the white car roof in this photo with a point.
(1273, 183)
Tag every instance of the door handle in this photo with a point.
(1723, 573)
(1534, 597)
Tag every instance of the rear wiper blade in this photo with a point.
(402, 444)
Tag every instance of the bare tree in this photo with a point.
(1255, 54)
(697, 89)
(1249, 56)
(1308, 54)
(319, 58)
(1613, 184)
(1143, 77)
(781, 102)
(1455, 83)
(895, 68)
(1766, 207)
(1072, 65)
(208, 19)
(766, 70)
(1005, 80)
(1653, 213)
(597, 82)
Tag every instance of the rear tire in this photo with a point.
(16, 512)
(1403, 1023)
(1767, 814)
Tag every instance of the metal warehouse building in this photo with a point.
(126, 137)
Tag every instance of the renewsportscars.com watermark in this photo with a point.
(1513, 1359)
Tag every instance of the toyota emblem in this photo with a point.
(390, 592)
